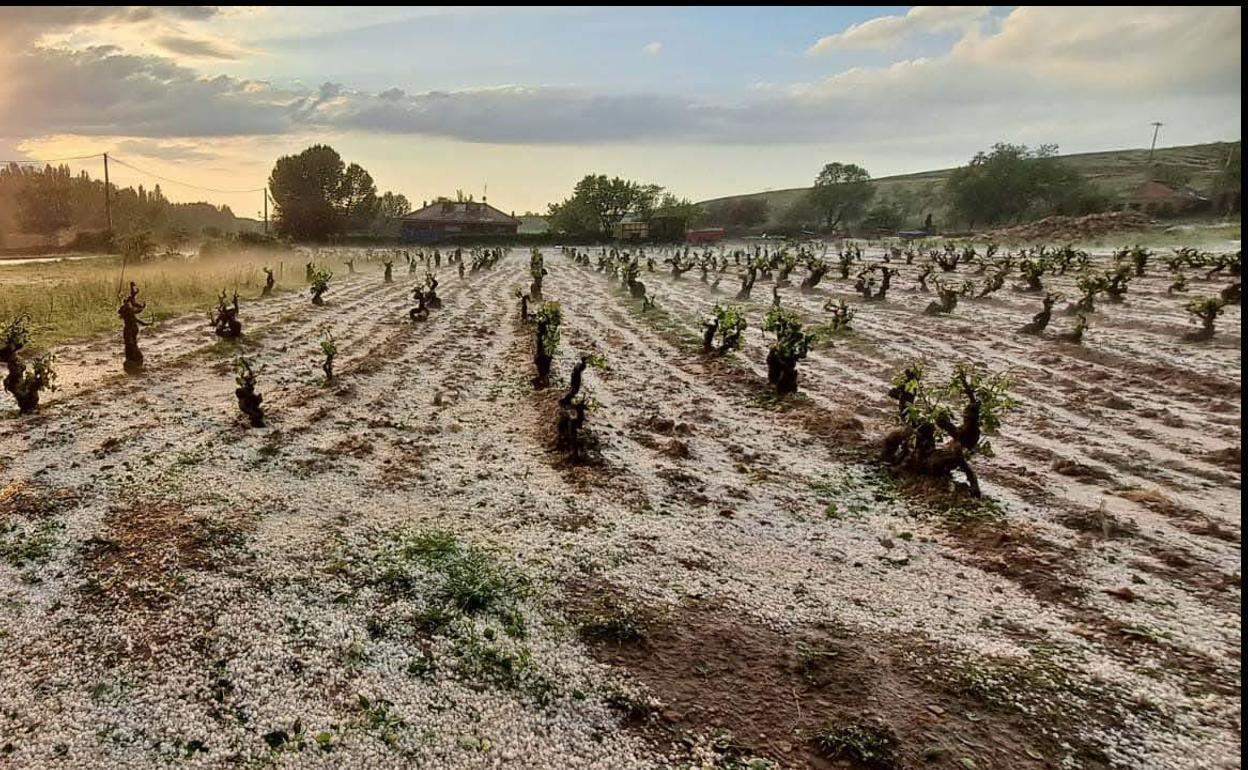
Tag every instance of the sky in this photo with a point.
(523, 101)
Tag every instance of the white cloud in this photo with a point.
(1044, 74)
(885, 32)
(652, 49)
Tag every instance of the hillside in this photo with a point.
(1117, 172)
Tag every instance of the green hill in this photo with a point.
(1117, 173)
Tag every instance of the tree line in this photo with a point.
(50, 200)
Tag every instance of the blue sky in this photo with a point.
(715, 50)
(705, 101)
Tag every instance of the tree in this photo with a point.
(312, 194)
(1012, 180)
(358, 196)
(573, 216)
(800, 213)
(393, 206)
(598, 204)
(885, 215)
(682, 208)
(43, 205)
(841, 193)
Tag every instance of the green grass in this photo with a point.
(869, 745)
(485, 660)
(468, 580)
(23, 548)
(71, 300)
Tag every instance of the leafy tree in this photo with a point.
(392, 206)
(1012, 180)
(599, 203)
(680, 208)
(840, 194)
(177, 237)
(318, 196)
(885, 215)
(44, 205)
(573, 216)
(360, 205)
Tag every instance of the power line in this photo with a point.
(53, 160)
(133, 167)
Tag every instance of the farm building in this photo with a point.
(449, 220)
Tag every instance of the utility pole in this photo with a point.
(108, 202)
(1156, 127)
(266, 211)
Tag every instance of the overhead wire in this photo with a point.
(201, 188)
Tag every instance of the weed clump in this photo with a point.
(870, 745)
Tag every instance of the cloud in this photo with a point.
(162, 150)
(102, 91)
(1043, 74)
(652, 49)
(196, 48)
(885, 32)
(25, 22)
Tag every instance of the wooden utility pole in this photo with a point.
(108, 199)
(266, 211)
(1156, 127)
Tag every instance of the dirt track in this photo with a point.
(178, 586)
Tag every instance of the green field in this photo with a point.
(1117, 173)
